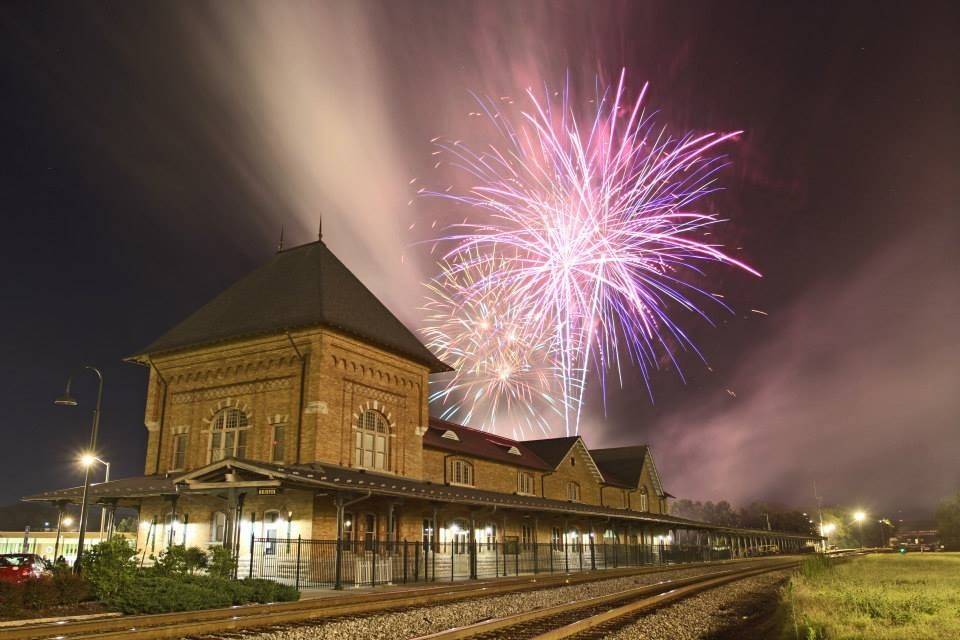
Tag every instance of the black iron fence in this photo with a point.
(327, 563)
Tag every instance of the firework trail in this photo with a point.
(504, 369)
(597, 233)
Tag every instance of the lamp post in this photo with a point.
(859, 517)
(87, 460)
(67, 400)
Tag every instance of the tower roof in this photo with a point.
(300, 287)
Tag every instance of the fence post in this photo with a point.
(297, 582)
(473, 553)
(593, 555)
(516, 559)
(404, 561)
(536, 558)
(566, 556)
(250, 569)
(453, 551)
(373, 569)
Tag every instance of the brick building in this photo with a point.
(294, 406)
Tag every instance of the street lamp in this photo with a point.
(859, 517)
(67, 400)
(88, 460)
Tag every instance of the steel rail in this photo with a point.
(206, 621)
(613, 606)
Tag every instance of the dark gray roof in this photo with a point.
(300, 287)
(137, 486)
(623, 463)
(552, 450)
(482, 444)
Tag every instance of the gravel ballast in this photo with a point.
(700, 615)
(431, 619)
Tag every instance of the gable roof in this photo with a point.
(552, 450)
(625, 463)
(481, 444)
(300, 287)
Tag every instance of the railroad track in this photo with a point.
(239, 621)
(599, 616)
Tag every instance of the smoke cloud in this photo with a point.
(856, 391)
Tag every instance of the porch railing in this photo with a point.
(308, 563)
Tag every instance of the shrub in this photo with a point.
(221, 562)
(269, 591)
(59, 588)
(161, 594)
(180, 560)
(110, 567)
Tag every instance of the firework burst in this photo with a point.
(503, 364)
(597, 236)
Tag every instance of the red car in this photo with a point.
(20, 567)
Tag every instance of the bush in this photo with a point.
(110, 567)
(180, 560)
(161, 594)
(221, 562)
(58, 589)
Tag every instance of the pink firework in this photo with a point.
(597, 231)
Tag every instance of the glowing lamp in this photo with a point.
(859, 516)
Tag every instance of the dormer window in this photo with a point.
(450, 435)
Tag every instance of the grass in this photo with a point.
(877, 597)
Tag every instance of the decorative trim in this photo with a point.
(249, 388)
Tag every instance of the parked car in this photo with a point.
(20, 567)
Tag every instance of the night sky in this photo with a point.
(151, 153)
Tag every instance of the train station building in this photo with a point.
(294, 407)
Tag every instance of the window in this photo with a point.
(450, 435)
(488, 537)
(526, 536)
(644, 504)
(556, 537)
(347, 528)
(525, 484)
(370, 448)
(279, 442)
(171, 528)
(459, 533)
(369, 531)
(228, 435)
(461, 472)
(573, 492)
(426, 535)
(573, 461)
(179, 451)
(218, 527)
(271, 524)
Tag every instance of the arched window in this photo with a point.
(461, 472)
(644, 504)
(372, 441)
(218, 527)
(228, 435)
(573, 492)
